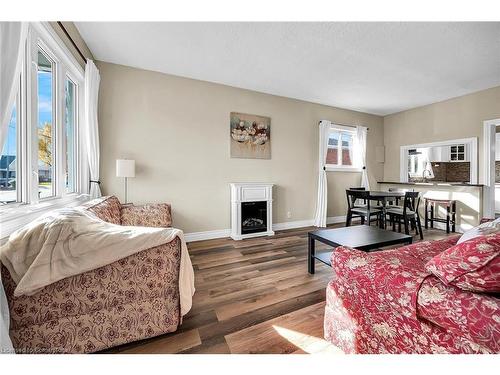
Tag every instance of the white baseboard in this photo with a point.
(293, 224)
(208, 235)
(221, 233)
(336, 219)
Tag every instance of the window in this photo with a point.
(341, 145)
(69, 130)
(419, 164)
(8, 161)
(40, 158)
(46, 126)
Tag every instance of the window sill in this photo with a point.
(332, 168)
(16, 215)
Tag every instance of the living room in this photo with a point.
(249, 187)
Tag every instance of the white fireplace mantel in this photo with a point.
(250, 192)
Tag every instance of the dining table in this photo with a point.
(384, 197)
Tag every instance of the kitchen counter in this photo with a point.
(432, 183)
(469, 199)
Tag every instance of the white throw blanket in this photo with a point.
(71, 241)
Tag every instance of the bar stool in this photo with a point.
(451, 210)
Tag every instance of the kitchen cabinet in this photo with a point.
(438, 154)
(453, 153)
(458, 153)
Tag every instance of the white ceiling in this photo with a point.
(378, 68)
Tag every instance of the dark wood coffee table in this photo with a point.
(361, 237)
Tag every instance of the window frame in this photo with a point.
(76, 131)
(41, 35)
(40, 45)
(18, 159)
(340, 167)
(19, 150)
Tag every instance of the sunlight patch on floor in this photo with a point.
(307, 343)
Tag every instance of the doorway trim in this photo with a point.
(489, 131)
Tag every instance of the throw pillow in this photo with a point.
(482, 229)
(472, 265)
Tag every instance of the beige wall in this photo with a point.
(177, 130)
(460, 117)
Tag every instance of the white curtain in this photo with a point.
(92, 80)
(321, 202)
(361, 134)
(12, 46)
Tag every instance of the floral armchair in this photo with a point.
(390, 302)
(134, 298)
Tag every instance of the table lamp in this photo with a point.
(125, 168)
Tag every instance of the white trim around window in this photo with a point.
(342, 168)
(339, 167)
(63, 66)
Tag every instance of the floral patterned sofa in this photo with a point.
(134, 298)
(410, 300)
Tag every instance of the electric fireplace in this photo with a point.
(253, 217)
(251, 210)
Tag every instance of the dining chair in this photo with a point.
(391, 201)
(359, 189)
(365, 212)
(397, 190)
(378, 205)
(407, 214)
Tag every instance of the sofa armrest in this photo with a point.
(382, 270)
(148, 215)
(351, 263)
(389, 278)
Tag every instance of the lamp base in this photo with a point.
(126, 200)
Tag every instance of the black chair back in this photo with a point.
(409, 201)
(353, 195)
(358, 188)
(398, 190)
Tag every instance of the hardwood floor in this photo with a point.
(252, 296)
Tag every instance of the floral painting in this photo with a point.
(250, 136)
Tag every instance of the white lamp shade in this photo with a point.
(125, 168)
